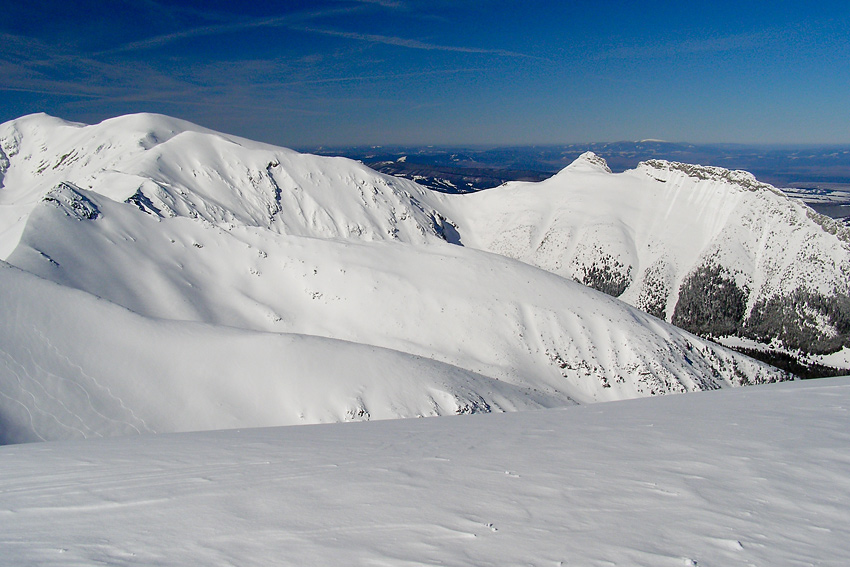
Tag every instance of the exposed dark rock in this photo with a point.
(144, 204)
(69, 199)
(743, 179)
(446, 229)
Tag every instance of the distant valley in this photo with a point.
(819, 175)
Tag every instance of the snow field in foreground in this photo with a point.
(758, 476)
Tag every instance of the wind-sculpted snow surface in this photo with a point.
(193, 231)
(680, 242)
(751, 477)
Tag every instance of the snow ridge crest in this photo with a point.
(743, 179)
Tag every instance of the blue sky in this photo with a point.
(440, 72)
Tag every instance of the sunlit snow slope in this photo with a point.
(77, 366)
(241, 267)
(752, 477)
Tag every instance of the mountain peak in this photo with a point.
(589, 161)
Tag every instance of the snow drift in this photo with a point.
(751, 477)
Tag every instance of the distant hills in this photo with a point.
(782, 166)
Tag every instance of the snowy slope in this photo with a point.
(76, 366)
(474, 310)
(177, 223)
(748, 477)
(748, 258)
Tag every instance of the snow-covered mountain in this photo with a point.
(206, 281)
(169, 167)
(711, 250)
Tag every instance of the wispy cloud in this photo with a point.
(87, 78)
(736, 42)
(413, 43)
(384, 76)
(125, 74)
(297, 22)
(385, 3)
(51, 91)
(17, 48)
(256, 84)
(218, 29)
(29, 65)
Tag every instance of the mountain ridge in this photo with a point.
(646, 234)
(193, 227)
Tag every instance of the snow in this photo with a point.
(540, 339)
(76, 366)
(661, 221)
(170, 278)
(163, 278)
(755, 476)
(173, 168)
(839, 359)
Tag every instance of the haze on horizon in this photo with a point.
(438, 72)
